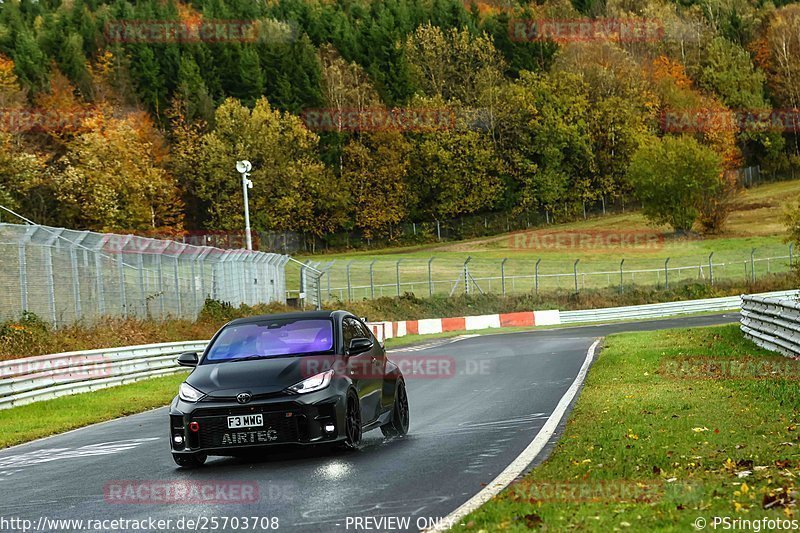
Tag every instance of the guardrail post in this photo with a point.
(753, 264)
(575, 272)
(430, 277)
(397, 273)
(372, 279)
(666, 273)
(711, 268)
(503, 275)
(536, 276)
(621, 278)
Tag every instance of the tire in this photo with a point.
(353, 430)
(398, 425)
(186, 460)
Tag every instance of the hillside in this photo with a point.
(362, 117)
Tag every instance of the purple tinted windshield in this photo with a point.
(273, 338)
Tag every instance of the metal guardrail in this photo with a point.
(33, 379)
(769, 318)
(632, 312)
(772, 323)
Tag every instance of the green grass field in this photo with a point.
(654, 444)
(755, 223)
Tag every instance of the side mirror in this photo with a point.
(359, 345)
(187, 359)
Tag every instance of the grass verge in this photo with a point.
(42, 419)
(671, 426)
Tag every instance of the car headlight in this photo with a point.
(314, 383)
(187, 393)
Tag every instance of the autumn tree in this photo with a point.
(293, 189)
(375, 171)
(673, 177)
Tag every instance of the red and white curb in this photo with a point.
(427, 326)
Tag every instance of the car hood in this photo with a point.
(261, 376)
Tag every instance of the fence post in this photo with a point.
(178, 285)
(536, 276)
(575, 272)
(76, 283)
(397, 272)
(430, 277)
(711, 268)
(349, 286)
(372, 279)
(23, 277)
(51, 283)
(438, 231)
(791, 250)
(666, 273)
(142, 295)
(466, 275)
(161, 295)
(753, 264)
(122, 294)
(621, 278)
(503, 275)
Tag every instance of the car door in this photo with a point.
(361, 369)
(378, 362)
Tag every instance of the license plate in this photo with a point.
(245, 421)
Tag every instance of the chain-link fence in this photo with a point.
(447, 275)
(66, 276)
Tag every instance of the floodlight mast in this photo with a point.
(244, 167)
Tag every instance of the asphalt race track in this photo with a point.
(466, 427)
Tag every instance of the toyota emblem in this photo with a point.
(243, 397)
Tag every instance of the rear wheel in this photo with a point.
(352, 423)
(189, 460)
(398, 425)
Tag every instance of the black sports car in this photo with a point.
(307, 378)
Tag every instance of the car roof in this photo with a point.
(308, 315)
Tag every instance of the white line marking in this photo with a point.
(527, 456)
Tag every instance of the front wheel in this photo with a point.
(189, 460)
(398, 425)
(352, 422)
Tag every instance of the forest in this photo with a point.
(361, 115)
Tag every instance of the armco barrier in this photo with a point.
(729, 303)
(772, 323)
(33, 379)
(49, 376)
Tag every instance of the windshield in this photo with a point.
(272, 338)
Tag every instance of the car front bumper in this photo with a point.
(309, 419)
